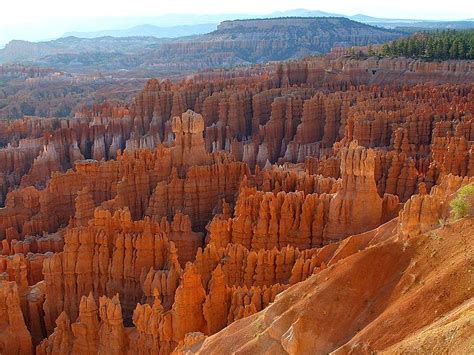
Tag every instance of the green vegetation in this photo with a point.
(461, 204)
(439, 45)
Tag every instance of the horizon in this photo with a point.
(51, 19)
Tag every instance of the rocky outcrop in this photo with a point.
(189, 143)
(263, 220)
(454, 155)
(14, 337)
(84, 206)
(215, 201)
(186, 313)
(108, 256)
(424, 212)
(216, 305)
(97, 330)
(299, 35)
(198, 193)
(136, 180)
(356, 207)
(46, 163)
(286, 325)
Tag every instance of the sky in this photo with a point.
(45, 19)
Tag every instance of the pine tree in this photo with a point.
(438, 45)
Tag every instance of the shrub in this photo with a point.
(461, 204)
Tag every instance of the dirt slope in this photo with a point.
(397, 294)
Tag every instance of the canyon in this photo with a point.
(56, 78)
(27, 90)
(290, 207)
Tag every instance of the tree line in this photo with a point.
(438, 45)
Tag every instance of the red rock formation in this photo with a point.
(189, 149)
(106, 257)
(84, 207)
(187, 313)
(216, 306)
(88, 334)
(247, 301)
(111, 330)
(356, 207)
(118, 183)
(198, 193)
(425, 212)
(454, 155)
(86, 327)
(153, 329)
(14, 337)
(179, 232)
(257, 193)
(266, 220)
(46, 163)
(406, 264)
(61, 340)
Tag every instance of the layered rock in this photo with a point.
(356, 207)
(186, 313)
(373, 264)
(424, 212)
(14, 337)
(106, 257)
(305, 220)
(188, 221)
(189, 143)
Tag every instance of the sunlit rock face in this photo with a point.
(270, 200)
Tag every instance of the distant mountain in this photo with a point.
(174, 25)
(363, 18)
(149, 31)
(429, 25)
(391, 23)
(412, 23)
(303, 13)
(261, 40)
(189, 24)
(36, 52)
(233, 43)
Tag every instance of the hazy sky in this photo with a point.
(17, 11)
(43, 19)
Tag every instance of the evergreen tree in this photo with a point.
(438, 45)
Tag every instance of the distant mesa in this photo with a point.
(233, 43)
